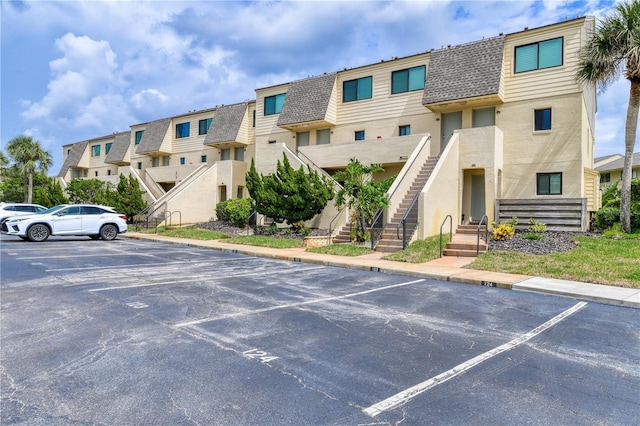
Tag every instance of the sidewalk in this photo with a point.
(446, 268)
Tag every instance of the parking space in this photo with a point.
(140, 332)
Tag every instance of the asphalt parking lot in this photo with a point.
(132, 332)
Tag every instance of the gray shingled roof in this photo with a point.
(226, 123)
(307, 100)
(119, 148)
(465, 71)
(619, 164)
(74, 157)
(153, 135)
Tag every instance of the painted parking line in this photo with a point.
(405, 396)
(293, 305)
(218, 277)
(143, 265)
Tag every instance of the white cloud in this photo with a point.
(85, 69)
(148, 97)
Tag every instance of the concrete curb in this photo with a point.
(612, 295)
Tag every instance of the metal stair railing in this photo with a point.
(486, 234)
(334, 219)
(377, 228)
(450, 230)
(413, 207)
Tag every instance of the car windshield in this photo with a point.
(53, 209)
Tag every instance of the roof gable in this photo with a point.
(119, 148)
(74, 157)
(307, 100)
(226, 123)
(153, 135)
(465, 71)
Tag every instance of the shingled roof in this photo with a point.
(307, 100)
(153, 136)
(619, 163)
(465, 71)
(119, 148)
(226, 123)
(73, 158)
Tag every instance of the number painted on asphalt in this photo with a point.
(260, 355)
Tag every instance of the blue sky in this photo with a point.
(75, 70)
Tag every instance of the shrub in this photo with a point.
(505, 230)
(221, 213)
(606, 217)
(532, 236)
(537, 227)
(235, 211)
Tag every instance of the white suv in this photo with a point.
(69, 219)
(8, 210)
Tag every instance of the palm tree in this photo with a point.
(614, 49)
(30, 157)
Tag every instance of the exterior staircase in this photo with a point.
(389, 241)
(343, 236)
(465, 241)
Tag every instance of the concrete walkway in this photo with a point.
(447, 268)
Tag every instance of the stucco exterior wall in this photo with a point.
(527, 152)
(442, 193)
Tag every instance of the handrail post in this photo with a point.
(486, 233)
(450, 230)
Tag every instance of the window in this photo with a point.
(404, 130)
(359, 135)
(107, 147)
(95, 150)
(225, 154)
(254, 118)
(483, 117)
(542, 119)
(139, 165)
(549, 183)
(407, 80)
(108, 172)
(634, 174)
(182, 130)
(302, 138)
(240, 192)
(183, 161)
(605, 177)
(203, 126)
(272, 142)
(139, 134)
(323, 136)
(355, 90)
(95, 173)
(273, 104)
(238, 154)
(85, 173)
(203, 158)
(165, 160)
(155, 161)
(545, 54)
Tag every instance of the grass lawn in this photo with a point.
(341, 250)
(194, 233)
(420, 251)
(595, 260)
(262, 241)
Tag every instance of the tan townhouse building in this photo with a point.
(483, 131)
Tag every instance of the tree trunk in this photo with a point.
(629, 145)
(30, 188)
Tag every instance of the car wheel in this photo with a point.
(108, 232)
(38, 232)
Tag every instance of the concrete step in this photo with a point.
(457, 252)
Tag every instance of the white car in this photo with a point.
(69, 219)
(8, 210)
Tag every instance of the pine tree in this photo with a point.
(289, 195)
